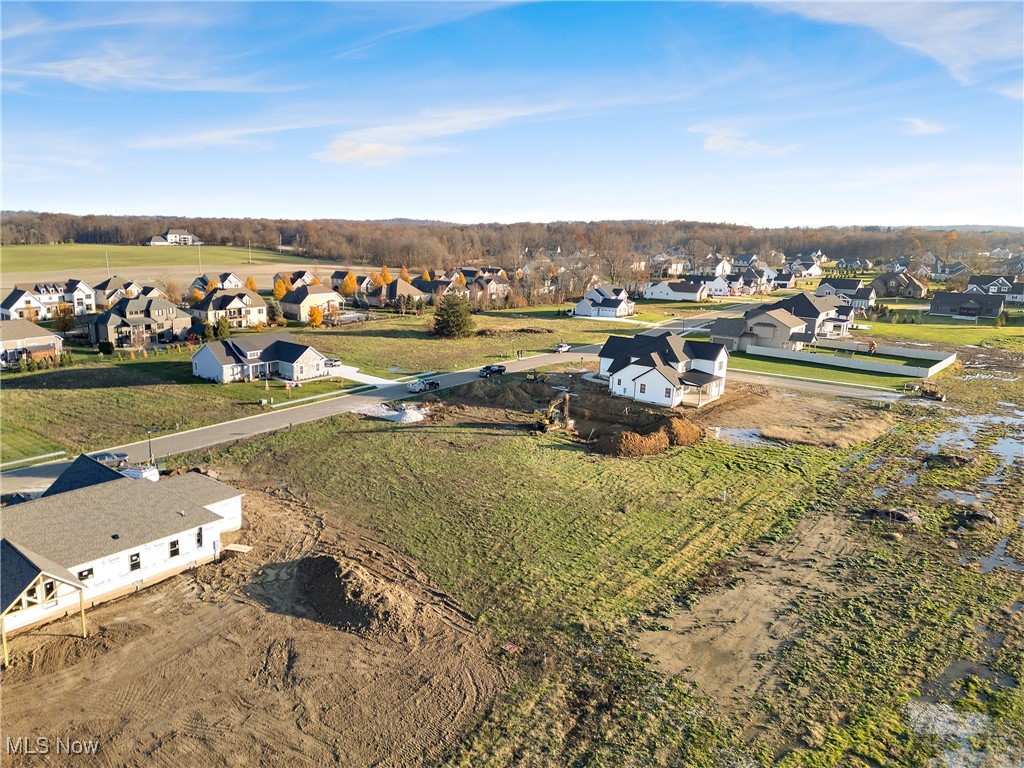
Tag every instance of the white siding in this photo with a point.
(205, 365)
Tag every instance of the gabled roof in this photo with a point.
(199, 488)
(115, 283)
(947, 300)
(99, 520)
(986, 280)
(15, 296)
(217, 299)
(729, 327)
(784, 317)
(83, 472)
(684, 286)
(863, 294)
(804, 305)
(302, 292)
(841, 284)
(23, 329)
(19, 567)
(279, 347)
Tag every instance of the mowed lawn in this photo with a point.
(75, 257)
(106, 403)
(741, 361)
(944, 330)
(402, 344)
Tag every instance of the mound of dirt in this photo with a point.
(506, 331)
(348, 597)
(671, 430)
(512, 396)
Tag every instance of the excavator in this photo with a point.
(555, 416)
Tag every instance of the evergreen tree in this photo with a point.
(223, 329)
(452, 319)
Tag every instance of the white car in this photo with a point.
(332, 362)
(563, 347)
(423, 385)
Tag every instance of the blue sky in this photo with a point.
(769, 114)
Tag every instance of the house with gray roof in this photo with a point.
(139, 321)
(677, 290)
(826, 316)
(242, 308)
(226, 281)
(91, 541)
(661, 368)
(20, 339)
(260, 356)
(297, 302)
(175, 237)
(967, 305)
(605, 302)
(39, 301)
(776, 329)
(891, 285)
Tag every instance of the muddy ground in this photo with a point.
(320, 646)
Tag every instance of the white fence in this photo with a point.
(941, 359)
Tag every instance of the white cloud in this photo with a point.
(226, 137)
(961, 36)
(917, 126)
(389, 142)
(729, 140)
(115, 68)
(1015, 91)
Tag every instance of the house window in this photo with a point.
(49, 591)
(175, 550)
(721, 366)
(134, 563)
(86, 574)
(619, 382)
(643, 388)
(668, 393)
(199, 539)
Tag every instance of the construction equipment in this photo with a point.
(930, 389)
(555, 416)
(534, 375)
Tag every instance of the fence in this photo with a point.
(941, 359)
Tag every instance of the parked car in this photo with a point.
(491, 370)
(330, 362)
(110, 458)
(423, 385)
(563, 347)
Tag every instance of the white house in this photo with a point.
(297, 302)
(225, 281)
(39, 301)
(242, 308)
(677, 290)
(245, 358)
(805, 269)
(605, 302)
(990, 284)
(716, 285)
(838, 286)
(175, 237)
(1016, 293)
(661, 368)
(102, 536)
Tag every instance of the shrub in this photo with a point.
(106, 347)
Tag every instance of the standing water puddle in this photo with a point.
(748, 438)
(998, 559)
(966, 497)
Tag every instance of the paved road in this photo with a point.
(38, 477)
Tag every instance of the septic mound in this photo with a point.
(671, 430)
(348, 597)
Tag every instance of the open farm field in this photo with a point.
(33, 263)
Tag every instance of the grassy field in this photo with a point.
(110, 402)
(74, 257)
(944, 330)
(568, 554)
(740, 361)
(401, 344)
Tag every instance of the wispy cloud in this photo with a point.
(962, 36)
(237, 136)
(33, 24)
(117, 68)
(917, 126)
(729, 140)
(388, 142)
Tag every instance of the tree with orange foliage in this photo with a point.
(426, 274)
(197, 296)
(280, 289)
(375, 280)
(316, 317)
(349, 285)
(404, 274)
(460, 279)
(250, 284)
(212, 285)
(385, 276)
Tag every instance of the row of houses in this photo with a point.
(786, 324)
(40, 301)
(96, 534)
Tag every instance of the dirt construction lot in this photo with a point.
(317, 647)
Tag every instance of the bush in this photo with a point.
(106, 347)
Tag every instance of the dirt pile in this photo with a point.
(348, 597)
(518, 396)
(507, 331)
(670, 431)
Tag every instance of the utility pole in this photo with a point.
(106, 257)
(249, 243)
(200, 246)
